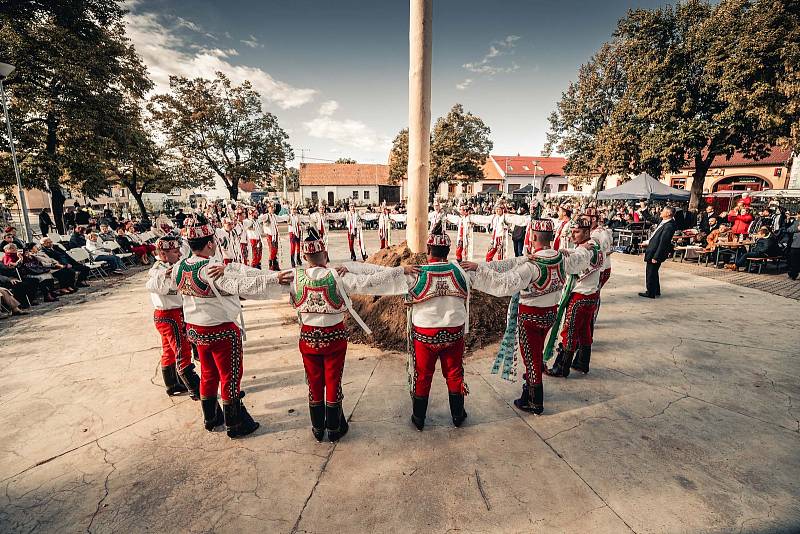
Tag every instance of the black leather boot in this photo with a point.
(212, 413)
(419, 407)
(352, 256)
(525, 399)
(317, 420)
(537, 399)
(457, 408)
(582, 358)
(174, 386)
(191, 381)
(238, 421)
(556, 369)
(335, 421)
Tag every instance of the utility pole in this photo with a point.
(5, 71)
(419, 122)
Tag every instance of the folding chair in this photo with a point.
(55, 237)
(81, 255)
(126, 257)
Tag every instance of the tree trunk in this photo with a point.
(233, 191)
(601, 184)
(701, 167)
(138, 197)
(54, 175)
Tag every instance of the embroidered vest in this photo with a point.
(187, 278)
(438, 280)
(316, 296)
(552, 277)
(596, 262)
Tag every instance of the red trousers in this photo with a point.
(175, 348)
(255, 257)
(323, 350)
(351, 241)
(431, 344)
(460, 250)
(383, 242)
(534, 323)
(273, 248)
(496, 248)
(294, 246)
(578, 319)
(219, 349)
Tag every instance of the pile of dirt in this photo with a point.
(386, 316)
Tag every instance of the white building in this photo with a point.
(363, 184)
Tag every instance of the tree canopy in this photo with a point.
(346, 161)
(460, 144)
(221, 130)
(680, 85)
(73, 64)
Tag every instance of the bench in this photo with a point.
(774, 260)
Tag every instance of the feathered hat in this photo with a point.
(313, 243)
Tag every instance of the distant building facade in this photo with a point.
(365, 184)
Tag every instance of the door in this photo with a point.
(330, 198)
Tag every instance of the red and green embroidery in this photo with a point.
(187, 278)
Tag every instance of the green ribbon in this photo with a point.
(562, 306)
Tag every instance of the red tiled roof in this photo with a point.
(344, 174)
(523, 165)
(778, 157)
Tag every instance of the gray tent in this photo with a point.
(646, 187)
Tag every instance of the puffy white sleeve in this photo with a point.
(576, 259)
(158, 281)
(240, 269)
(502, 266)
(354, 267)
(490, 281)
(388, 281)
(263, 286)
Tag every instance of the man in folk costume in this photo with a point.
(176, 356)
(355, 236)
(563, 228)
(255, 245)
(436, 217)
(605, 238)
(543, 275)
(320, 297)
(385, 227)
(464, 240)
(229, 242)
(319, 224)
(438, 301)
(576, 332)
(269, 223)
(295, 236)
(242, 222)
(212, 309)
(499, 227)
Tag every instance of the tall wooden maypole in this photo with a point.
(419, 122)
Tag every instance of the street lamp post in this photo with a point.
(5, 71)
(533, 182)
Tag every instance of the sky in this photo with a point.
(335, 73)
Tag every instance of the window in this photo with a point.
(562, 188)
(678, 183)
(451, 189)
(525, 168)
(512, 187)
(314, 198)
(355, 195)
(366, 195)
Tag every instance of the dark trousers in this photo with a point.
(741, 259)
(651, 278)
(519, 247)
(794, 262)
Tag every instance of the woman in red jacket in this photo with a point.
(740, 217)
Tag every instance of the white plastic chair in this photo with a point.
(114, 247)
(81, 255)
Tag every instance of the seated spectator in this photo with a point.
(136, 239)
(77, 239)
(29, 268)
(10, 303)
(100, 252)
(63, 258)
(741, 218)
(106, 233)
(704, 221)
(765, 246)
(11, 237)
(126, 245)
(23, 290)
(720, 234)
(66, 277)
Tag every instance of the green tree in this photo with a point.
(460, 145)
(74, 63)
(292, 178)
(346, 160)
(221, 130)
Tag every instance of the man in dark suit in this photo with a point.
(658, 249)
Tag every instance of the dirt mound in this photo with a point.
(386, 316)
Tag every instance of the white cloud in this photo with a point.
(328, 108)
(166, 52)
(487, 64)
(252, 42)
(463, 85)
(347, 132)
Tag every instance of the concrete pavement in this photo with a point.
(688, 422)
